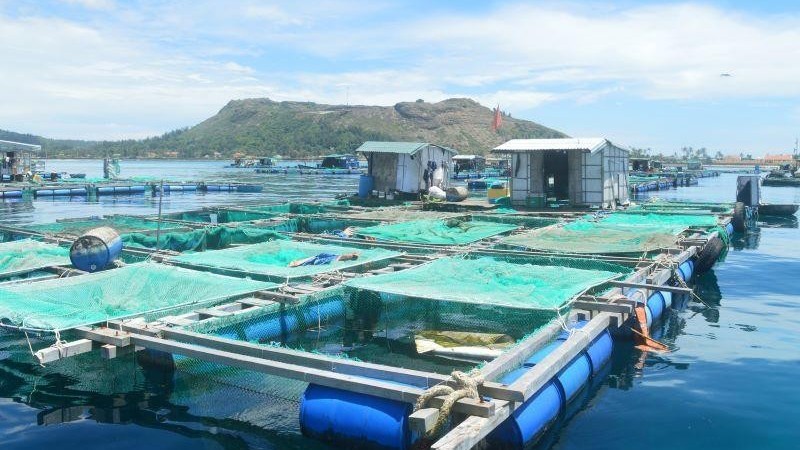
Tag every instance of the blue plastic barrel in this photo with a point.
(271, 328)
(136, 189)
(95, 249)
(12, 194)
(686, 269)
(599, 351)
(365, 185)
(655, 304)
(77, 191)
(323, 311)
(44, 192)
(189, 187)
(105, 190)
(353, 420)
(532, 418)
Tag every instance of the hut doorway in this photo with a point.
(555, 168)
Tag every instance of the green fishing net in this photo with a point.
(590, 237)
(209, 238)
(490, 281)
(147, 287)
(27, 254)
(301, 208)
(440, 232)
(620, 232)
(675, 222)
(672, 207)
(273, 258)
(122, 224)
(401, 214)
(220, 216)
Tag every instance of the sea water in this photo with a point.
(729, 383)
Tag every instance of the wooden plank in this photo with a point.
(514, 357)
(471, 431)
(105, 336)
(422, 421)
(533, 380)
(665, 288)
(109, 351)
(603, 307)
(363, 385)
(73, 348)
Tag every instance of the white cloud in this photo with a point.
(137, 68)
(93, 4)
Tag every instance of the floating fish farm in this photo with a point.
(441, 329)
(101, 188)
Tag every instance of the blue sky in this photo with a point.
(645, 74)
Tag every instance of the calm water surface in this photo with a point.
(731, 382)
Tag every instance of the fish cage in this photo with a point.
(351, 345)
(273, 259)
(206, 238)
(618, 233)
(451, 231)
(29, 255)
(146, 288)
(122, 224)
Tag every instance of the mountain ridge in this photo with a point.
(264, 127)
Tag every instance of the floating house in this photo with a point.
(340, 162)
(19, 159)
(407, 167)
(589, 172)
(640, 164)
(468, 163)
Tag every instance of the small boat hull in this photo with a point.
(777, 210)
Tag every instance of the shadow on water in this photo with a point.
(129, 395)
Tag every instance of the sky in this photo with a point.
(724, 75)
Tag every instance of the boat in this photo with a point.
(777, 210)
(340, 162)
(77, 175)
(250, 163)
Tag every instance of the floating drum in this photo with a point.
(96, 249)
(354, 420)
(365, 184)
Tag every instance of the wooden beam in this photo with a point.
(471, 431)
(109, 351)
(514, 357)
(533, 380)
(665, 288)
(422, 421)
(105, 336)
(51, 354)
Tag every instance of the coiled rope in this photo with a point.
(467, 387)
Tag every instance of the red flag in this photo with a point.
(498, 119)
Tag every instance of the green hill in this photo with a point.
(262, 127)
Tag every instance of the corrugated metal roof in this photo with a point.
(532, 145)
(468, 157)
(407, 148)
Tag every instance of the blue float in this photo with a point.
(686, 269)
(95, 249)
(365, 185)
(353, 420)
(531, 419)
(275, 326)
